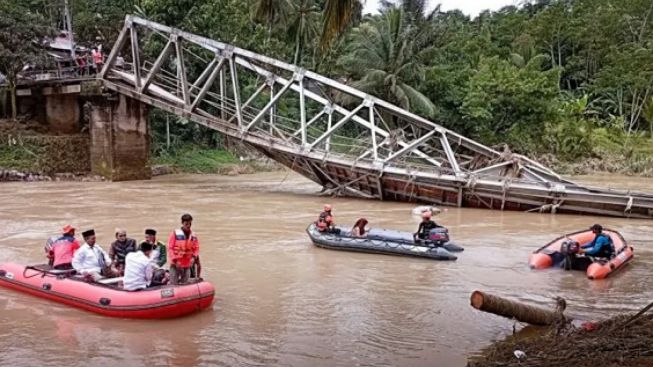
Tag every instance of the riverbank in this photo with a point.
(28, 152)
(640, 164)
(196, 159)
(624, 341)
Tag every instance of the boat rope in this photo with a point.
(546, 208)
(41, 272)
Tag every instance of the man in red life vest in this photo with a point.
(60, 249)
(183, 251)
(325, 222)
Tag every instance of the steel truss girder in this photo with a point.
(262, 65)
(461, 161)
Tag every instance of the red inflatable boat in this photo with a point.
(107, 298)
(550, 254)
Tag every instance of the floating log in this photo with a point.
(515, 310)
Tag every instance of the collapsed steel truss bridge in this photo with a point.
(350, 142)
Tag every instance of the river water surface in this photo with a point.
(281, 301)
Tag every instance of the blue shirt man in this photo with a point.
(601, 246)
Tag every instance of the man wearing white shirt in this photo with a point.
(139, 268)
(91, 260)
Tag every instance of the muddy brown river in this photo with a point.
(280, 301)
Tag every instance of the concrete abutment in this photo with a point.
(120, 139)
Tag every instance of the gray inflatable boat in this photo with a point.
(383, 241)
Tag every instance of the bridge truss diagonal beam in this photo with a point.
(325, 123)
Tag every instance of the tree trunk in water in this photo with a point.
(519, 311)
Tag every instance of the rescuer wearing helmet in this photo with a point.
(425, 227)
(325, 222)
(60, 249)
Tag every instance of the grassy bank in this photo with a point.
(45, 154)
(631, 156)
(196, 159)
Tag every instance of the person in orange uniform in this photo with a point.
(60, 249)
(183, 251)
(325, 222)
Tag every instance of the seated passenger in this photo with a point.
(425, 227)
(325, 222)
(159, 252)
(139, 268)
(359, 228)
(119, 249)
(600, 246)
(61, 249)
(91, 260)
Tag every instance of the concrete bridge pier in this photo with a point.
(120, 139)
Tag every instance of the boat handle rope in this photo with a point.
(38, 271)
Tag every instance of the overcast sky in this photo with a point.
(469, 7)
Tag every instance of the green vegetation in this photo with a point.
(12, 157)
(45, 154)
(19, 31)
(568, 79)
(194, 159)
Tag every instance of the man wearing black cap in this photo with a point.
(159, 254)
(601, 246)
(91, 260)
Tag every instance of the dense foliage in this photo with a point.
(568, 77)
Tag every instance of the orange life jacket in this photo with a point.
(183, 248)
(324, 221)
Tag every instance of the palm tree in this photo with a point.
(337, 16)
(270, 12)
(304, 20)
(384, 58)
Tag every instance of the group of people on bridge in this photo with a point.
(138, 266)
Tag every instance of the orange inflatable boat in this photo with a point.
(554, 254)
(107, 298)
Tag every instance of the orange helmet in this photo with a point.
(67, 229)
(327, 207)
(426, 214)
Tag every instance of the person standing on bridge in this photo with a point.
(98, 59)
(183, 251)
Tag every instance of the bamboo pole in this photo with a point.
(515, 310)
